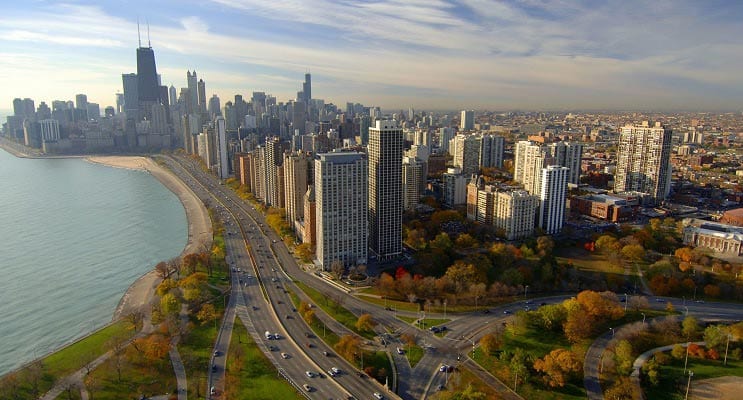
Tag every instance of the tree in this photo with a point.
(552, 316)
(309, 317)
(558, 367)
(337, 268)
(678, 352)
(545, 245)
(463, 275)
(607, 244)
(623, 355)
(169, 304)
(304, 251)
(633, 252)
(347, 346)
(441, 241)
(623, 389)
(489, 343)
(365, 323)
(684, 254)
(162, 269)
(712, 290)
(465, 241)
(207, 314)
(715, 336)
(689, 327)
(165, 286)
(469, 393)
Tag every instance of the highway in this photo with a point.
(268, 311)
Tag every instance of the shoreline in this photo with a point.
(141, 292)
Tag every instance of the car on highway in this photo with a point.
(276, 336)
(443, 368)
(378, 395)
(336, 370)
(284, 356)
(331, 373)
(307, 387)
(506, 312)
(325, 353)
(216, 353)
(309, 374)
(400, 351)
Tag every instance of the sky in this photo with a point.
(426, 54)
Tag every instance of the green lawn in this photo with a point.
(672, 385)
(335, 310)
(149, 378)
(319, 328)
(585, 260)
(66, 360)
(250, 375)
(414, 354)
(366, 294)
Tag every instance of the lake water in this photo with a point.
(73, 237)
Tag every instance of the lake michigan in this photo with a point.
(73, 236)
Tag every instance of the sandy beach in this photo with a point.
(141, 292)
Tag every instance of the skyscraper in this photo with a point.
(491, 151)
(412, 177)
(307, 90)
(273, 160)
(202, 95)
(385, 189)
(567, 154)
(466, 152)
(131, 95)
(341, 184)
(467, 122)
(148, 89)
(554, 182)
(296, 166)
(223, 164)
(192, 101)
(643, 160)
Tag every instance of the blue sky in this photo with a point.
(428, 54)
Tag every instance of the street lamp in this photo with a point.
(625, 302)
(726, 350)
(686, 360)
(688, 384)
(612, 331)
(643, 319)
(525, 289)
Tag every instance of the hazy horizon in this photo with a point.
(429, 54)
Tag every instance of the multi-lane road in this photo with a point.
(259, 297)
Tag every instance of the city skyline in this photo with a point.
(474, 54)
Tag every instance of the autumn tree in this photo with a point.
(463, 275)
(623, 389)
(365, 323)
(309, 317)
(169, 304)
(545, 245)
(442, 241)
(689, 327)
(162, 269)
(633, 252)
(304, 252)
(624, 357)
(207, 314)
(165, 286)
(489, 343)
(558, 367)
(347, 346)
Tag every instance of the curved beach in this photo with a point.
(141, 292)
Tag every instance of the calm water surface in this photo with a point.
(73, 237)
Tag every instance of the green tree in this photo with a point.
(469, 393)
(678, 351)
(442, 241)
(169, 304)
(633, 252)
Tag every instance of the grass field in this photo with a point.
(672, 385)
(65, 361)
(250, 375)
(464, 381)
(335, 310)
(585, 260)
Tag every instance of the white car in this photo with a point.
(378, 395)
(443, 368)
(276, 336)
(284, 356)
(331, 372)
(307, 387)
(400, 351)
(309, 374)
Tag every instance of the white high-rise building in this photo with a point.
(467, 122)
(529, 159)
(454, 188)
(554, 184)
(341, 184)
(643, 160)
(223, 164)
(466, 152)
(514, 213)
(385, 189)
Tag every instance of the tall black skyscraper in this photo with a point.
(307, 89)
(147, 88)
